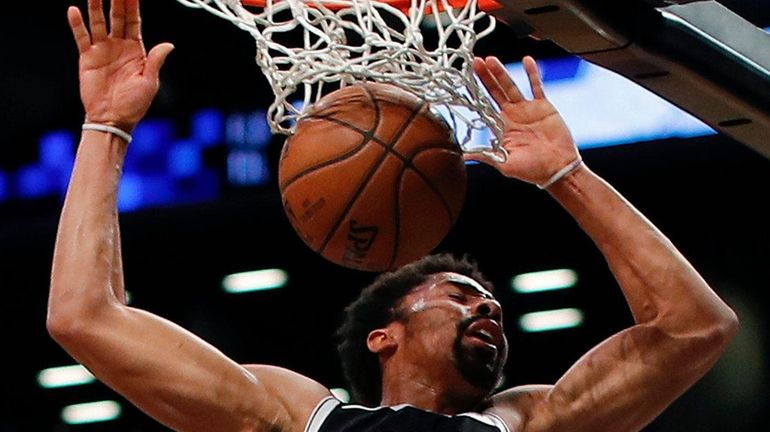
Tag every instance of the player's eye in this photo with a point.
(457, 296)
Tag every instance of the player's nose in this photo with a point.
(488, 308)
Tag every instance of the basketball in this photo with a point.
(372, 179)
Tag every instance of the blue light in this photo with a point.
(208, 127)
(157, 190)
(160, 169)
(4, 192)
(57, 155)
(151, 136)
(57, 149)
(130, 192)
(204, 186)
(35, 181)
(185, 159)
(247, 168)
(235, 131)
(248, 131)
(560, 68)
(258, 134)
(62, 178)
(148, 150)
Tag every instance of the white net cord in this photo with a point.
(304, 45)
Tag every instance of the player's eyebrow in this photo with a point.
(468, 285)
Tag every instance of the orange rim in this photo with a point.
(485, 5)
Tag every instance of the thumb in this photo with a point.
(155, 60)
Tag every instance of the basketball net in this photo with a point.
(339, 42)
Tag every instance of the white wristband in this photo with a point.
(109, 129)
(572, 166)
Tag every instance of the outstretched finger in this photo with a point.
(155, 60)
(133, 20)
(535, 81)
(79, 30)
(503, 79)
(489, 81)
(118, 19)
(97, 20)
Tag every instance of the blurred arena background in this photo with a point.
(199, 202)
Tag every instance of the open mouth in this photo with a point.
(484, 336)
(486, 331)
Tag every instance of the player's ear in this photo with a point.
(381, 340)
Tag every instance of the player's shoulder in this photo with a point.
(518, 405)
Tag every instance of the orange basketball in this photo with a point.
(372, 179)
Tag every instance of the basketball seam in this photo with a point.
(407, 161)
(388, 147)
(432, 187)
(444, 202)
(364, 181)
(364, 135)
(409, 165)
(358, 148)
(373, 171)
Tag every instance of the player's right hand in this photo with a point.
(118, 80)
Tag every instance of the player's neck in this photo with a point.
(440, 394)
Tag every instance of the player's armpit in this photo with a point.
(620, 385)
(516, 406)
(176, 377)
(298, 393)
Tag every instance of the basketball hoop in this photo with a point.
(310, 47)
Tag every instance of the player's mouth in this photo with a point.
(485, 333)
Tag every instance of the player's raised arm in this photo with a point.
(166, 371)
(681, 327)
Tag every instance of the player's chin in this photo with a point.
(482, 351)
(481, 364)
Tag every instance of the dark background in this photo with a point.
(708, 194)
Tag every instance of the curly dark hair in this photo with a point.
(373, 309)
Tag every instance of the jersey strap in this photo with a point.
(330, 415)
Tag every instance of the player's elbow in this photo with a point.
(60, 327)
(715, 336)
(723, 324)
(696, 343)
(726, 327)
(69, 319)
(63, 323)
(709, 325)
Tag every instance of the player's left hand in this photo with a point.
(535, 136)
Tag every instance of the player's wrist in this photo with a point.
(563, 172)
(127, 125)
(108, 129)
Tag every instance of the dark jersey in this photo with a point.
(333, 416)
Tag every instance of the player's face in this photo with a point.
(454, 314)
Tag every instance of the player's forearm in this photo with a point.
(116, 281)
(85, 254)
(657, 281)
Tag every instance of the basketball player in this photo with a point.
(425, 344)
